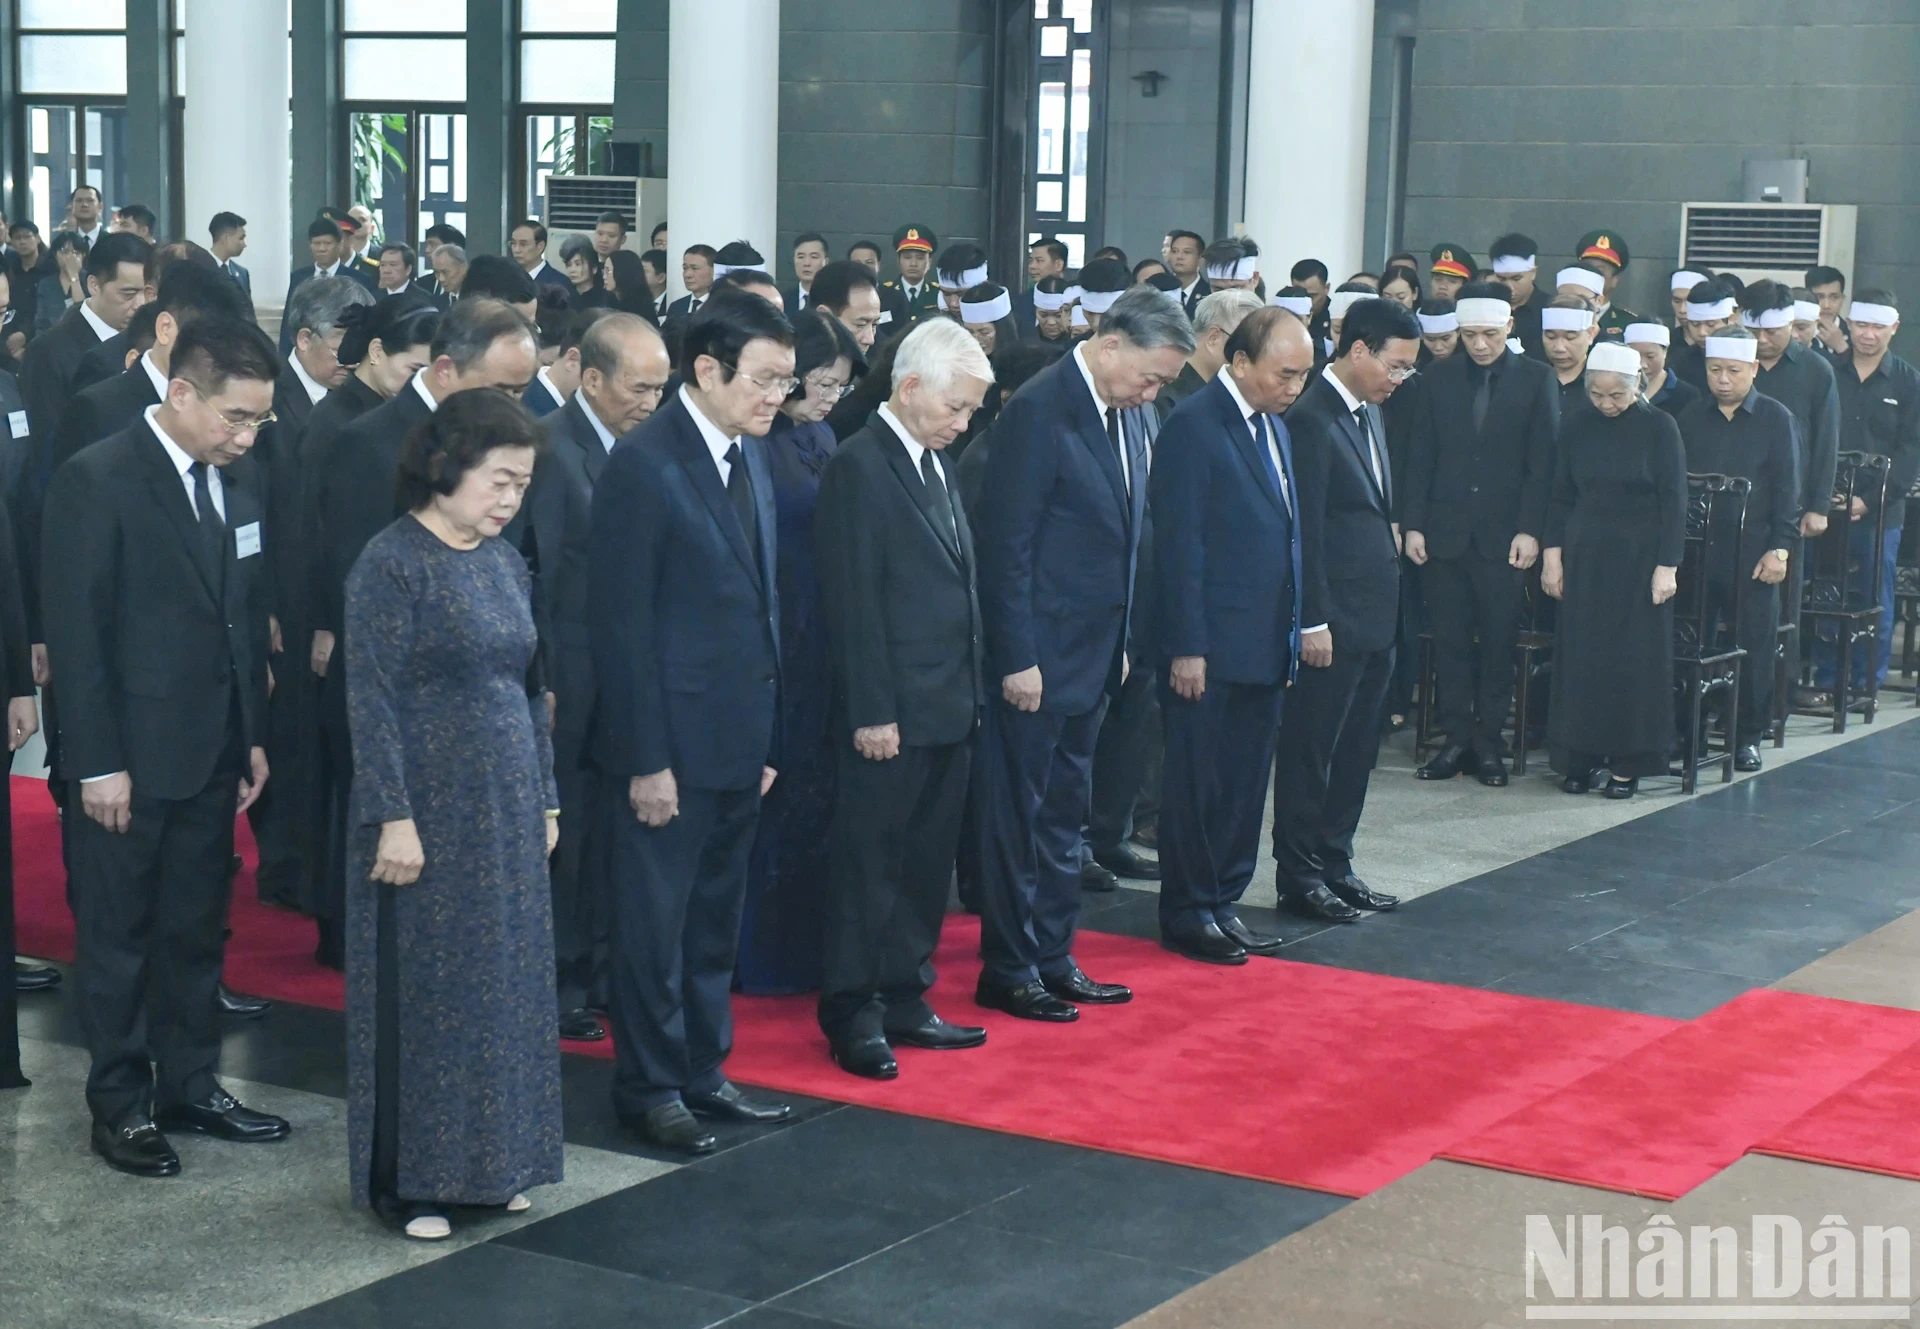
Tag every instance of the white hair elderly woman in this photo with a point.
(1616, 528)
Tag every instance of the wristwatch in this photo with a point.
(1781, 554)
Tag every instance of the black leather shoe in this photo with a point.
(1576, 784)
(1029, 1001)
(727, 1103)
(671, 1126)
(1147, 837)
(240, 1006)
(870, 1057)
(1322, 903)
(1746, 757)
(1620, 788)
(1074, 985)
(28, 977)
(1360, 895)
(582, 1026)
(1093, 877)
(1122, 861)
(1253, 943)
(1491, 771)
(1449, 762)
(939, 1036)
(221, 1116)
(137, 1148)
(1208, 945)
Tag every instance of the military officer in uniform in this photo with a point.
(908, 296)
(1449, 267)
(1605, 252)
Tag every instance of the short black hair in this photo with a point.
(1766, 294)
(1513, 245)
(835, 284)
(539, 231)
(405, 253)
(578, 321)
(619, 218)
(189, 291)
(92, 189)
(141, 331)
(1482, 290)
(1306, 269)
(223, 222)
(708, 252)
(1376, 321)
(455, 439)
(655, 259)
(1149, 263)
(1433, 308)
(858, 245)
(723, 326)
(396, 323)
(1822, 274)
(653, 236)
(497, 277)
(322, 228)
(73, 240)
(1051, 286)
(139, 214)
(956, 260)
(1056, 250)
(1224, 252)
(1014, 365)
(446, 233)
(818, 340)
(810, 237)
(1114, 252)
(113, 249)
(1194, 236)
(23, 224)
(470, 329)
(741, 279)
(1876, 295)
(212, 352)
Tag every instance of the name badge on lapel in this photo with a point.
(17, 423)
(246, 540)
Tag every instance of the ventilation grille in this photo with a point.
(575, 202)
(1760, 235)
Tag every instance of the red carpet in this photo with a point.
(1665, 1118)
(1867, 1126)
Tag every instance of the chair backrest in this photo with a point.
(1829, 555)
(1716, 519)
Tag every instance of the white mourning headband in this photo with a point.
(1042, 300)
(1483, 312)
(1686, 281)
(1099, 302)
(1433, 324)
(1884, 315)
(1508, 264)
(987, 311)
(1079, 319)
(969, 279)
(1517, 346)
(1341, 301)
(1733, 348)
(1300, 306)
(722, 269)
(1768, 318)
(1805, 311)
(1653, 332)
(1710, 313)
(1565, 320)
(1610, 357)
(1581, 277)
(1240, 270)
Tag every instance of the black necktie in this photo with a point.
(1373, 453)
(1481, 396)
(937, 491)
(213, 529)
(740, 491)
(1119, 456)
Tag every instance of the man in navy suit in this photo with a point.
(1064, 505)
(228, 233)
(1227, 546)
(1350, 601)
(685, 632)
(528, 244)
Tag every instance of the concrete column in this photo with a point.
(1307, 103)
(490, 99)
(150, 130)
(319, 159)
(237, 132)
(723, 133)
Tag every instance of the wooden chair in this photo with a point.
(1532, 664)
(1704, 667)
(1840, 607)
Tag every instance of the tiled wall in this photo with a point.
(1161, 149)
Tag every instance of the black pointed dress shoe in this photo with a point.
(1447, 763)
(1357, 893)
(1094, 877)
(1029, 1001)
(1123, 861)
(1253, 943)
(1618, 788)
(136, 1147)
(582, 1026)
(30, 977)
(240, 1006)
(222, 1116)
(1208, 945)
(1746, 757)
(1491, 771)
(671, 1126)
(1322, 903)
(727, 1103)
(1074, 985)
(939, 1036)
(869, 1057)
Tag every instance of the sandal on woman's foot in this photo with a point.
(428, 1226)
(519, 1204)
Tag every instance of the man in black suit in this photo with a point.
(1184, 260)
(623, 373)
(480, 344)
(116, 275)
(1046, 257)
(227, 237)
(158, 631)
(851, 293)
(1228, 556)
(809, 256)
(685, 633)
(1058, 561)
(324, 246)
(896, 567)
(528, 244)
(1479, 469)
(696, 274)
(1350, 601)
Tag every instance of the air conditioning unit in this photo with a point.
(1775, 240)
(575, 201)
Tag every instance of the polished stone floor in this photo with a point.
(1802, 878)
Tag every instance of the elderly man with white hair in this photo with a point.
(896, 567)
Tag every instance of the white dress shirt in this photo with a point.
(314, 391)
(551, 386)
(1100, 404)
(1355, 409)
(184, 465)
(1257, 421)
(538, 268)
(915, 451)
(333, 271)
(155, 377)
(101, 328)
(607, 440)
(420, 386)
(717, 442)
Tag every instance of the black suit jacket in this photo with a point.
(1201, 290)
(557, 538)
(352, 498)
(685, 621)
(277, 452)
(1350, 567)
(103, 409)
(46, 381)
(104, 360)
(896, 571)
(539, 399)
(151, 661)
(1477, 489)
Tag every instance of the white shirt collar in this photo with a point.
(1353, 402)
(314, 391)
(101, 328)
(915, 450)
(607, 440)
(551, 386)
(1246, 412)
(93, 236)
(182, 464)
(401, 289)
(537, 269)
(154, 376)
(717, 442)
(1080, 362)
(333, 271)
(1188, 288)
(420, 386)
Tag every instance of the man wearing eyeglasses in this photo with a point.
(1350, 605)
(156, 624)
(684, 615)
(623, 373)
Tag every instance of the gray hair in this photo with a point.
(1637, 380)
(459, 254)
(604, 344)
(470, 329)
(1733, 332)
(320, 304)
(578, 246)
(939, 351)
(1223, 310)
(1150, 321)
